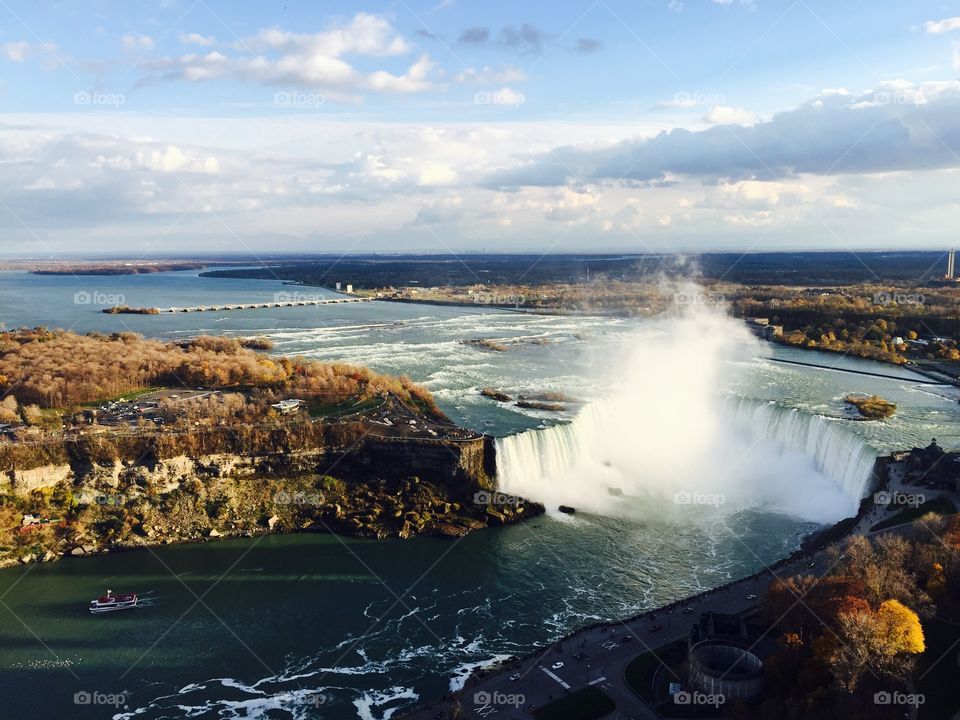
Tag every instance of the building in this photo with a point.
(720, 658)
(285, 407)
(349, 288)
(338, 287)
(932, 466)
(761, 327)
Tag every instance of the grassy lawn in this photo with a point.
(639, 673)
(589, 703)
(940, 505)
(318, 408)
(937, 671)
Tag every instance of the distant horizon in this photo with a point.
(265, 257)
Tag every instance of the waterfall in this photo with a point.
(750, 453)
(838, 452)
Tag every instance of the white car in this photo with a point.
(557, 665)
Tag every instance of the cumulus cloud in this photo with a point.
(138, 42)
(725, 115)
(197, 39)
(314, 61)
(753, 194)
(936, 27)
(896, 127)
(16, 51)
(365, 35)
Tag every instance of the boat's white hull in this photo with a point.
(113, 607)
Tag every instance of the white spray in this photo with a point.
(666, 433)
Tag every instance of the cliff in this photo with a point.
(94, 494)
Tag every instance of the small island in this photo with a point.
(127, 310)
(872, 407)
(110, 442)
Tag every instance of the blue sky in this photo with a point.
(184, 125)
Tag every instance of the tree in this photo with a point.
(881, 642)
(899, 628)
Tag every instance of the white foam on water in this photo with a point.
(376, 700)
(462, 673)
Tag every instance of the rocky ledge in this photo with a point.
(380, 490)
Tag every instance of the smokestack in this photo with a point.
(951, 257)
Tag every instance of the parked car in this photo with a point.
(557, 665)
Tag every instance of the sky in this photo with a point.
(180, 126)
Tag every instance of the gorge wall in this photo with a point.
(88, 495)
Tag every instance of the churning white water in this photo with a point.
(666, 431)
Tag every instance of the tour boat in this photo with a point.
(111, 602)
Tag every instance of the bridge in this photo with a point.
(257, 306)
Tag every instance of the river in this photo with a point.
(317, 626)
